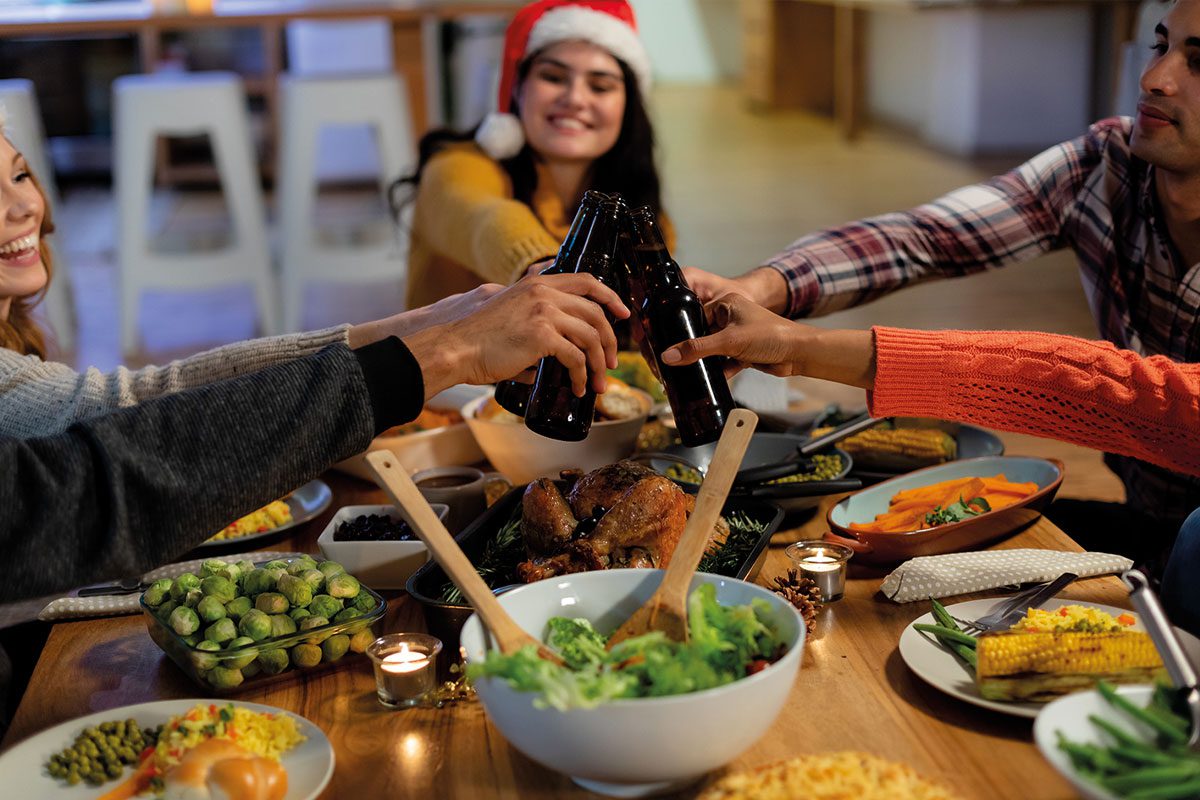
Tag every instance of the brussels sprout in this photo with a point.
(225, 677)
(163, 612)
(202, 658)
(211, 609)
(212, 566)
(276, 564)
(159, 591)
(282, 625)
(306, 655)
(238, 606)
(244, 566)
(221, 631)
(257, 581)
(360, 641)
(193, 598)
(335, 647)
(239, 661)
(271, 603)
(184, 621)
(330, 568)
(192, 639)
(347, 614)
(364, 602)
(325, 606)
(251, 669)
(342, 585)
(275, 574)
(274, 661)
(315, 579)
(296, 590)
(221, 588)
(255, 624)
(311, 623)
(299, 613)
(300, 566)
(182, 585)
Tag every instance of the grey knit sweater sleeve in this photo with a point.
(42, 398)
(123, 492)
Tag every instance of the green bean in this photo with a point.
(947, 634)
(1149, 777)
(943, 616)
(1178, 791)
(1142, 755)
(1122, 736)
(1172, 733)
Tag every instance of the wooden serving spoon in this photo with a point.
(666, 609)
(509, 636)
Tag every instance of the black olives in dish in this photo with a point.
(373, 528)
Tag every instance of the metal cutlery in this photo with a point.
(801, 460)
(1179, 668)
(123, 586)
(1003, 615)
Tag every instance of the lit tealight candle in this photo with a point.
(824, 564)
(404, 667)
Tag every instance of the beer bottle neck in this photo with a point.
(659, 270)
(575, 243)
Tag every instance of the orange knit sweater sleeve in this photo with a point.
(1061, 387)
(465, 211)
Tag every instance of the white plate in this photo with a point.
(309, 765)
(942, 669)
(1070, 715)
(305, 503)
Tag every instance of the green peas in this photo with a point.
(825, 467)
(100, 753)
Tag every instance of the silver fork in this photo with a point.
(1004, 614)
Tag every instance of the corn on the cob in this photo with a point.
(1040, 666)
(900, 448)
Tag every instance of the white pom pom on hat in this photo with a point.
(609, 24)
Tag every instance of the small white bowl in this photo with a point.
(634, 748)
(379, 565)
(522, 455)
(450, 446)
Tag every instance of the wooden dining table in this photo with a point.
(853, 692)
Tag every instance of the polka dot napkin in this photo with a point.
(963, 573)
(107, 605)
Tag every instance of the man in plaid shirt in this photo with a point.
(1125, 197)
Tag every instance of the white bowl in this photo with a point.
(632, 748)
(1070, 715)
(522, 455)
(452, 445)
(379, 565)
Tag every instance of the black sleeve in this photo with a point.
(119, 494)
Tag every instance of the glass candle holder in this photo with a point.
(824, 563)
(405, 668)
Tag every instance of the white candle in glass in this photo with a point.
(405, 675)
(827, 572)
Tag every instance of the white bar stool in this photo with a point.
(23, 125)
(187, 104)
(307, 105)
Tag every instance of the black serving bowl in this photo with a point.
(444, 620)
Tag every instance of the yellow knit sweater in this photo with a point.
(467, 228)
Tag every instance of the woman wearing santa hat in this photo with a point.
(490, 204)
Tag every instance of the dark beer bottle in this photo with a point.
(554, 410)
(671, 313)
(513, 395)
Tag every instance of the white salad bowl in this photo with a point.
(637, 747)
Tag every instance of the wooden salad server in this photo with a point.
(666, 609)
(508, 635)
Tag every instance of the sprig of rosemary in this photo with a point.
(498, 562)
(744, 533)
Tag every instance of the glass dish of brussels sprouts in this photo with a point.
(238, 624)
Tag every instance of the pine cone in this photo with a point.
(803, 593)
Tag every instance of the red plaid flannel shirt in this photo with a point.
(1090, 194)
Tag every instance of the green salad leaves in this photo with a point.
(725, 643)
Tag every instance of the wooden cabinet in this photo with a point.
(788, 54)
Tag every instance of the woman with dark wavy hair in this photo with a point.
(493, 204)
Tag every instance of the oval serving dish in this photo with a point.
(863, 506)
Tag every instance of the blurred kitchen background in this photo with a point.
(774, 118)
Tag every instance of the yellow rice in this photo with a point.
(1082, 619)
(268, 735)
(828, 776)
(267, 518)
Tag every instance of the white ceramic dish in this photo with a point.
(306, 503)
(1070, 715)
(380, 565)
(943, 670)
(634, 748)
(309, 765)
(452, 445)
(522, 455)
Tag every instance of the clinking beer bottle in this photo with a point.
(591, 246)
(671, 313)
(513, 395)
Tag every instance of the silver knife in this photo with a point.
(1014, 614)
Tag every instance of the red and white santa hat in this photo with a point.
(609, 24)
